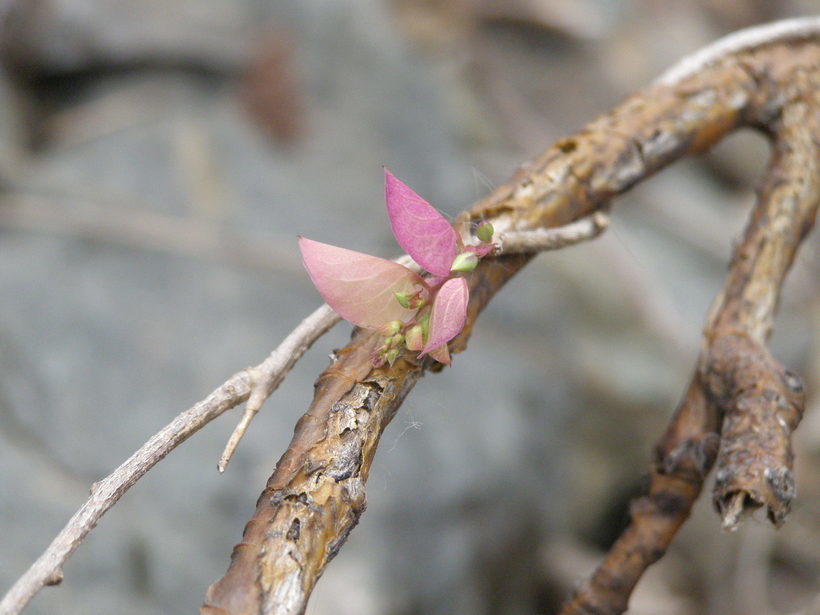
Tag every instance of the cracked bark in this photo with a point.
(316, 494)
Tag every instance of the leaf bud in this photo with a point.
(484, 232)
(403, 299)
(390, 329)
(391, 355)
(464, 262)
(415, 338)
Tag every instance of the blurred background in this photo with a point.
(158, 159)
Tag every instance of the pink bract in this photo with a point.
(419, 229)
(448, 315)
(359, 287)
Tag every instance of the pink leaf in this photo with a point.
(419, 229)
(359, 287)
(449, 313)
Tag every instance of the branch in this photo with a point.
(762, 401)
(557, 188)
(316, 494)
(735, 378)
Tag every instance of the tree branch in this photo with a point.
(316, 494)
(735, 379)
(319, 487)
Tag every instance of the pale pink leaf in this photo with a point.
(449, 313)
(419, 229)
(359, 287)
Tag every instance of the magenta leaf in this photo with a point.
(419, 229)
(359, 287)
(448, 315)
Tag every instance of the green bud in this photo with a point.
(390, 329)
(485, 232)
(415, 338)
(466, 261)
(403, 299)
(424, 323)
(390, 355)
(397, 340)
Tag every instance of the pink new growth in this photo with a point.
(375, 293)
(419, 229)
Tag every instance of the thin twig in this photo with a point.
(268, 375)
(539, 240)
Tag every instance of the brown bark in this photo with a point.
(316, 494)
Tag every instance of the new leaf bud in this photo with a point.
(390, 329)
(464, 262)
(403, 299)
(415, 338)
(484, 232)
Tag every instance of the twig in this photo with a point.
(316, 494)
(681, 461)
(255, 383)
(268, 375)
(539, 240)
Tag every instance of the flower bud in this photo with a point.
(390, 355)
(466, 261)
(484, 232)
(396, 340)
